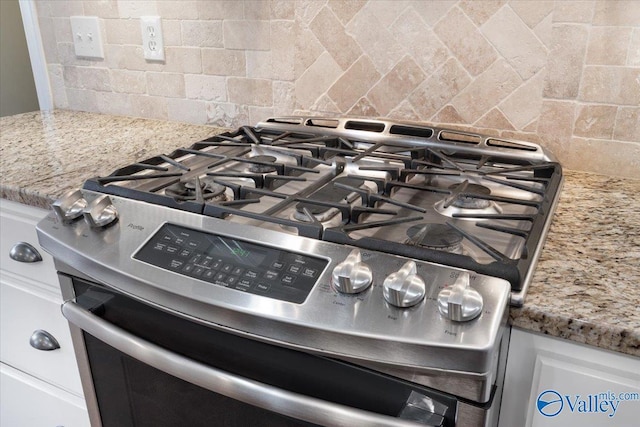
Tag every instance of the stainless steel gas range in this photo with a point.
(305, 271)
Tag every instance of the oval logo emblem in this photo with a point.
(549, 403)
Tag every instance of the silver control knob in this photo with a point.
(352, 275)
(460, 302)
(70, 206)
(404, 288)
(100, 212)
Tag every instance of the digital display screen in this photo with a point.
(239, 251)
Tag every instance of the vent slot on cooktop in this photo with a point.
(411, 131)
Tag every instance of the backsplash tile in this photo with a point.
(564, 74)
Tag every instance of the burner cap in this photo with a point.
(470, 202)
(262, 168)
(435, 236)
(186, 190)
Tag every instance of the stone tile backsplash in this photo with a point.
(564, 74)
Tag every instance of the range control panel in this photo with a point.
(233, 263)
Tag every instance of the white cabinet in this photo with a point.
(553, 382)
(39, 388)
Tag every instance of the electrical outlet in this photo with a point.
(152, 42)
(87, 38)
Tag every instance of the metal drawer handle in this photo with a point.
(254, 393)
(24, 252)
(43, 340)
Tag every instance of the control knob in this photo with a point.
(404, 288)
(460, 302)
(352, 275)
(100, 212)
(70, 206)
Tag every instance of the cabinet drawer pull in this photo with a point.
(24, 252)
(43, 340)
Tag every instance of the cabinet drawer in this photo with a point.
(27, 401)
(24, 311)
(18, 224)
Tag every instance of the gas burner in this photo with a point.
(435, 236)
(469, 201)
(462, 201)
(262, 167)
(186, 190)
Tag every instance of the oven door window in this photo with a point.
(129, 392)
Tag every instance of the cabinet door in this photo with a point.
(27, 401)
(553, 382)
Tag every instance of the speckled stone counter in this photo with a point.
(586, 287)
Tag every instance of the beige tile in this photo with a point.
(330, 32)
(62, 30)
(531, 127)
(613, 158)
(419, 40)
(260, 64)
(187, 110)
(403, 79)
(316, 80)
(65, 8)
(254, 35)
(363, 108)
(126, 81)
(523, 104)
(439, 88)
(210, 9)
(465, 41)
(448, 114)
(628, 124)
(118, 104)
(307, 50)
(48, 37)
(170, 85)
(58, 90)
(202, 33)
(633, 56)
(608, 45)
(616, 13)
(226, 115)
(480, 11)
(595, 121)
(564, 68)
(102, 8)
(354, 83)
(325, 105)
(555, 125)
(282, 9)
(532, 12)
(494, 119)
(129, 57)
(283, 50)
(136, 8)
(432, 11)
(182, 60)
(223, 62)
(154, 107)
(283, 98)
(87, 78)
(177, 9)
(258, 114)
(67, 56)
(543, 30)
(256, 92)
(404, 112)
(573, 11)
(516, 42)
(257, 9)
(375, 40)
(82, 100)
(345, 10)
(615, 85)
(385, 11)
(172, 32)
(122, 31)
(208, 88)
(486, 91)
(306, 10)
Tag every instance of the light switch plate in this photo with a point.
(87, 38)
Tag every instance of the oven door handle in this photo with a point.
(254, 393)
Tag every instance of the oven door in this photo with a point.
(144, 366)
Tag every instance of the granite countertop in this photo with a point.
(586, 287)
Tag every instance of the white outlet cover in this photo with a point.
(87, 38)
(152, 41)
